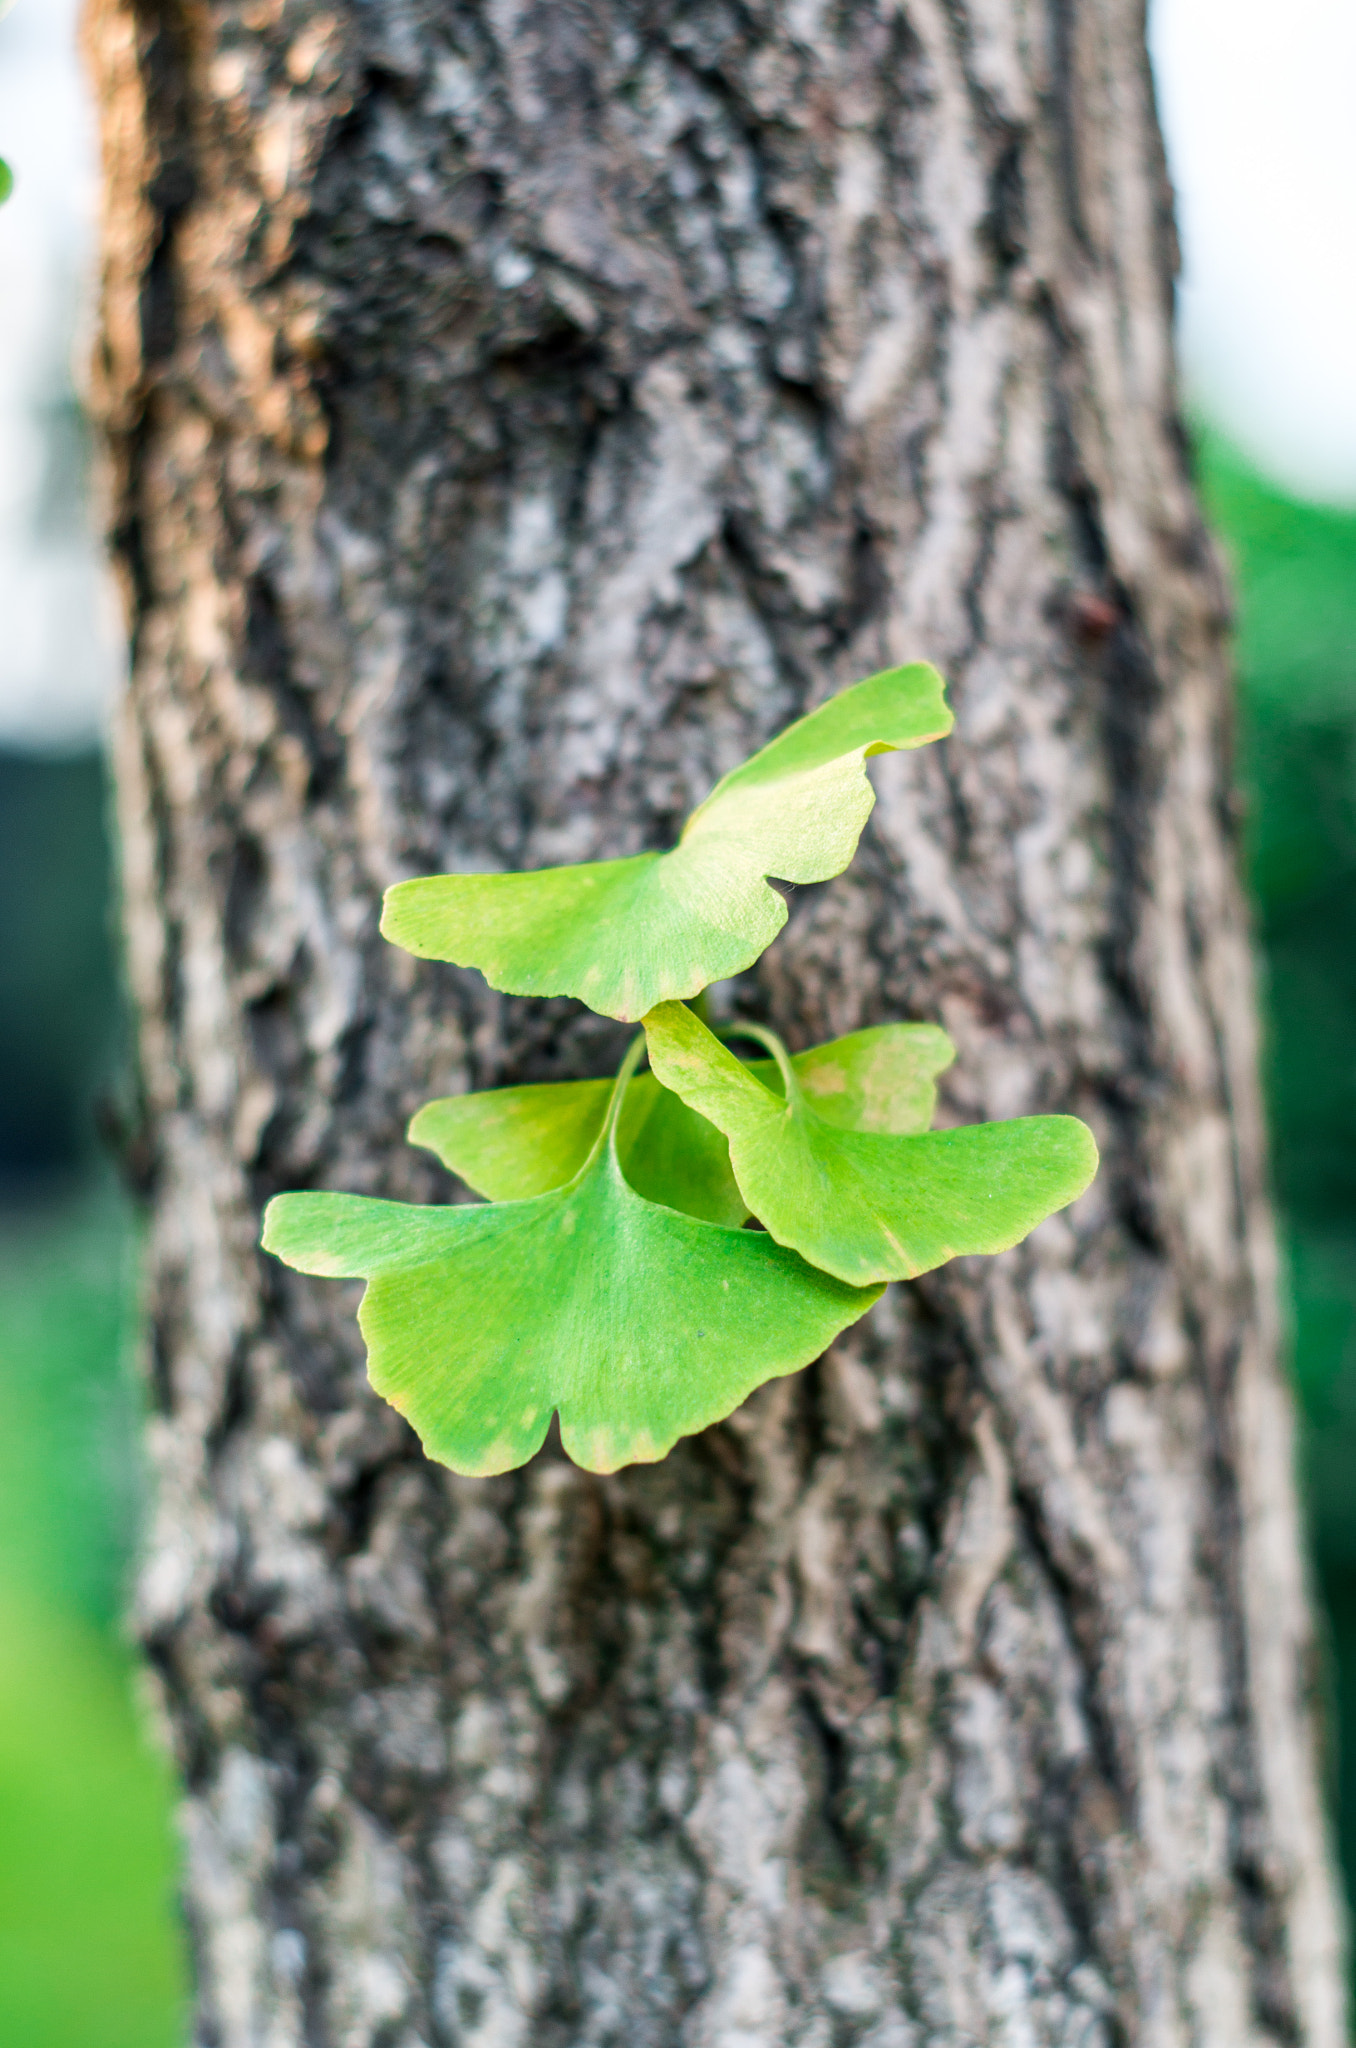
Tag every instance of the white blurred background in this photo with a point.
(57, 635)
(1259, 105)
(1260, 109)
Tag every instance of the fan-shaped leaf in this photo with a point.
(865, 1205)
(637, 1325)
(623, 935)
(512, 1143)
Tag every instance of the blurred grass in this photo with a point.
(89, 1950)
(1295, 575)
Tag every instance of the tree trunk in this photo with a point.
(517, 413)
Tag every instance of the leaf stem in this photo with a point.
(608, 1134)
(770, 1043)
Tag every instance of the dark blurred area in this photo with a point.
(57, 985)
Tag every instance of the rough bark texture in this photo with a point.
(519, 409)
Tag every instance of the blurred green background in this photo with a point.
(89, 1949)
(85, 1838)
(1295, 576)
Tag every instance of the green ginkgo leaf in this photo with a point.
(635, 1324)
(865, 1205)
(6, 176)
(624, 935)
(512, 1143)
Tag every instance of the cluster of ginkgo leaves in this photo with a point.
(611, 1276)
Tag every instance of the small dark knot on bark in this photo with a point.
(1091, 616)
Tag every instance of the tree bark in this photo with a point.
(518, 410)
